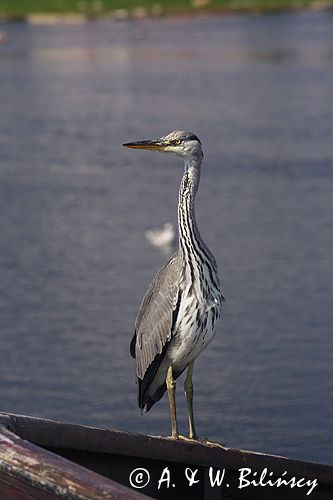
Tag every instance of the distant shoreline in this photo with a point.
(94, 10)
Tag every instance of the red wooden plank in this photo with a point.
(15, 489)
(26, 469)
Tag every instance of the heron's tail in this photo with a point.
(152, 386)
(148, 401)
(147, 398)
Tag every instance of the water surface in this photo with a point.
(74, 204)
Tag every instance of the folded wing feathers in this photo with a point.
(155, 319)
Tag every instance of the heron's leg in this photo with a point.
(188, 386)
(171, 386)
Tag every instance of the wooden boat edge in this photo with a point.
(52, 434)
(29, 471)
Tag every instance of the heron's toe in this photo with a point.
(212, 443)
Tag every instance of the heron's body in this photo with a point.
(177, 317)
(192, 330)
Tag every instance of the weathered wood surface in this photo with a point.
(27, 471)
(115, 454)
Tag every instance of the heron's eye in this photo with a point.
(178, 141)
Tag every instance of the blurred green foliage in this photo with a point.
(22, 7)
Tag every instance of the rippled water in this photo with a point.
(74, 204)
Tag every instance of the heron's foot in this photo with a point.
(206, 441)
(180, 437)
(196, 439)
(188, 438)
(212, 443)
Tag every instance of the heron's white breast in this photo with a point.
(194, 330)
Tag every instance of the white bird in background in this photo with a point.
(162, 237)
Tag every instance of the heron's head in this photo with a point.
(179, 142)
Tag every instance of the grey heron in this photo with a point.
(177, 317)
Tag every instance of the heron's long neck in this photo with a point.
(190, 240)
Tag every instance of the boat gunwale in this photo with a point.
(30, 471)
(69, 436)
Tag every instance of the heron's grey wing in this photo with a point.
(156, 318)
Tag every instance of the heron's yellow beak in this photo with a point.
(153, 145)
